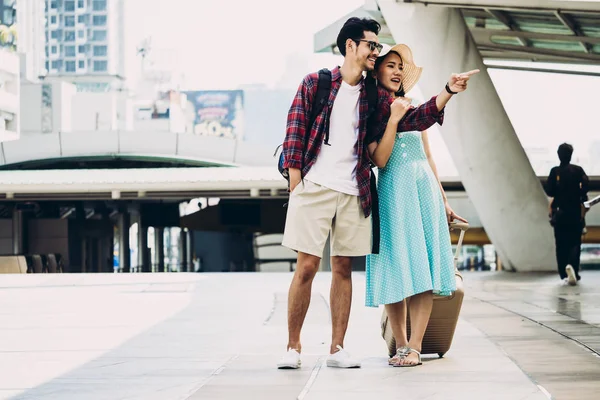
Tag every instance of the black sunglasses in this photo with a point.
(373, 45)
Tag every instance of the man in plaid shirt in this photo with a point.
(329, 182)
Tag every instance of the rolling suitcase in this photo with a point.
(444, 315)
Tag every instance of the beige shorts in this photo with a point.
(315, 211)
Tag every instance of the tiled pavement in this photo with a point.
(219, 336)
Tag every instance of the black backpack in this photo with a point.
(322, 96)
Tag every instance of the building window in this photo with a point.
(53, 19)
(55, 64)
(100, 51)
(8, 17)
(70, 66)
(82, 19)
(81, 49)
(80, 3)
(54, 49)
(100, 66)
(70, 51)
(54, 34)
(53, 4)
(99, 5)
(69, 36)
(80, 34)
(70, 20)
(81, 64)
(99, 36)
(69, 5)
(47, 65)
(99, 20)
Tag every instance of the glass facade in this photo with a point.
(535, 35)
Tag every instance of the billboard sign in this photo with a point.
(217, 112)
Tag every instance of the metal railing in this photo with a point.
(588, 204)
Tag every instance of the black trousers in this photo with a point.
(568, 246)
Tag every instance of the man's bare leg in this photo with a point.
(299, 296)
(340, 298)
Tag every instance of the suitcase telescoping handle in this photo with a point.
(463, 226)
(592, 202)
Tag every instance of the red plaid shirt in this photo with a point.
(417, 119)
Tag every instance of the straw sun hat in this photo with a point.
(410, 73)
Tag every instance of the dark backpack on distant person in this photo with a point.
(321, 98)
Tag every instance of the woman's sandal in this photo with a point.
(400, 354)
(408, 351)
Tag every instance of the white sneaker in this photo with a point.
(571, 278)
(291, 360)
(342, 359)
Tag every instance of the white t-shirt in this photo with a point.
(335, 167)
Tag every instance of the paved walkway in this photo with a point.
(219, 336)
(550, 330)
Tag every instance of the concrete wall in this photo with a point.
(57, 109)
(155, 143)
(491, 162)
(31, 103)
(31, 39)
(9, 95)
(95, 111)
(74, 111)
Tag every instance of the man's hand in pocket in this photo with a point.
(295, 178)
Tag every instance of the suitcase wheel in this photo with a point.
(441, 354)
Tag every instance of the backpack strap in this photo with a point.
(372, 97)
(372, 103)
(321, 98)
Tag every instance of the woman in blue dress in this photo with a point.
(415, 259)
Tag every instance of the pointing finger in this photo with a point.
(470, 73)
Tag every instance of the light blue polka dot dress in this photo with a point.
(415, 253)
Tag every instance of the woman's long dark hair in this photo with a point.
(371, 75)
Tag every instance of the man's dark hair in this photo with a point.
(355, 29)
(565, 151)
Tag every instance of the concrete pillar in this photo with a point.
(77, 255)
(159, 247)
(183, 251)
(189, 237)
(492, 164)
(124, 248)
(103, 252)
(106, 242)
(17, 232)
(143, 250)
